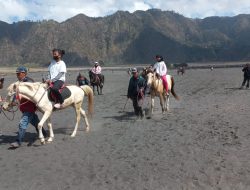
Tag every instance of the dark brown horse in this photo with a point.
(1, 83)
(96, 80)
(180, 70)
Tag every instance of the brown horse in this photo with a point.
(180, 70)
(155, 85)
(1, 83)
(96, 80)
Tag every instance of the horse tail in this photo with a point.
(172, 89)
(89, 92)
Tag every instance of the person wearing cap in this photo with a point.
(161, 70)
(97, 70)
(136, 92)
(57, 75)
(28, 110)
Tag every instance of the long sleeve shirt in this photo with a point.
(135, 84)
(160, 68)
(97, 70)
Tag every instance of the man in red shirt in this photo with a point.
(28, 110)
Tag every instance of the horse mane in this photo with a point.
(34, 85)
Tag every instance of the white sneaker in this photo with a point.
(58, 106)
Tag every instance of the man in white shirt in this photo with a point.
(161, 69)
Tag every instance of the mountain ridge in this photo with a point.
(127, 38)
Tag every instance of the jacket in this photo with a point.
(135, 84)
(246, 71)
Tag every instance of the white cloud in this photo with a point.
(15, 10)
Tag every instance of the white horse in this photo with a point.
(157, 89)
(37, 93)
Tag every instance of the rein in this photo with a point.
(8, 110)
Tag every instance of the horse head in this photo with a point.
(11, 97)
(150, 76)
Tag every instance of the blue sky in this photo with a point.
(18, 10)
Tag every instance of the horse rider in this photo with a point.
(97, 70)
(28, 110)
(81, 80)
(161, 70)
(246, 70)
(136, 92)
(57, 75)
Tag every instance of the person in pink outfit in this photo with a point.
(161, 70)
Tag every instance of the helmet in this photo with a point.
(21, 69)
(96, 63)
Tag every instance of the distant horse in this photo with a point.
(180, 70)
(155, 85)
(96, 80)
(1, 83)
(37, 93)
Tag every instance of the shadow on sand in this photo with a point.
(125, 116)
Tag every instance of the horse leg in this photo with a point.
(93, 89)
(85, 119)
(164, 98)
(51, 133)
(78, 117)
(97, 87)
(162, 104)
(167, 102)
(46, 115)
(152, 105)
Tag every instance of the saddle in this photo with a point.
(64, 91)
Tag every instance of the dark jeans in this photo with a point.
(246, 79)
(55, 90)
(137, 107)
(28, 117)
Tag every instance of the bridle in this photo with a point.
(10, 108)
(15, 95)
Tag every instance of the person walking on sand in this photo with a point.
(57, 75)
(161, 70)
(136, 92)
(246, 70)
(28, 110)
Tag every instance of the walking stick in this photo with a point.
(125, 105)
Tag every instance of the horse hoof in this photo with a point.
(49, 140)
(42, 142)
